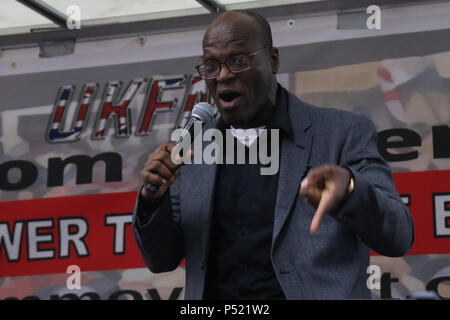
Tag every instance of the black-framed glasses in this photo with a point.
(236, 64)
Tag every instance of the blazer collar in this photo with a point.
(300, 116)
(294, 163)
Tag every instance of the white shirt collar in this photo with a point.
(246, 136)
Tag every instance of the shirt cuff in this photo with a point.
(337, 213)
(144, 213)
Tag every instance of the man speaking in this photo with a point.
(302, 233)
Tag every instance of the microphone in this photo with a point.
(202, 112)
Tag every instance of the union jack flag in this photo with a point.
(55, 131)
(153, 101)
(120, 110)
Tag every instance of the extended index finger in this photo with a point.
(324, 206)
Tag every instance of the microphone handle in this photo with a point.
(188, 128)
(152, 188)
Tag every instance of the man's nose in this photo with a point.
(224, 73)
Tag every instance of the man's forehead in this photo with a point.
(227, 44)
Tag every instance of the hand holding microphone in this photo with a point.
(160, 171)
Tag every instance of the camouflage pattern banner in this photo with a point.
(73, 142)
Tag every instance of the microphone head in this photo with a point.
(203, 111)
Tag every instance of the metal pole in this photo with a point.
(212, 6)
(47, 11)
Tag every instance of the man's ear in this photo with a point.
(275, 60)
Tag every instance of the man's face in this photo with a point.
(244, 99)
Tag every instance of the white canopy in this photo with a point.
(15, 17)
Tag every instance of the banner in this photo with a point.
(94, 231)
(73, 146)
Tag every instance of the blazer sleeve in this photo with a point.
(158, 233)
(374, 211)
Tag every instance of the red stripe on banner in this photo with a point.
(46, 226)
(429, 192)
(83, 112)
(100, 239)
(58, 114)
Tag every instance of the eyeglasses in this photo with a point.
(239, 63)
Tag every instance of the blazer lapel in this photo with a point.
(203, 193)
(294, 163)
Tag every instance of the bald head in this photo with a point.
(248, 20)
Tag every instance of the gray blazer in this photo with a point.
(330, 264)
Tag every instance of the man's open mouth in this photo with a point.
(228, 97)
